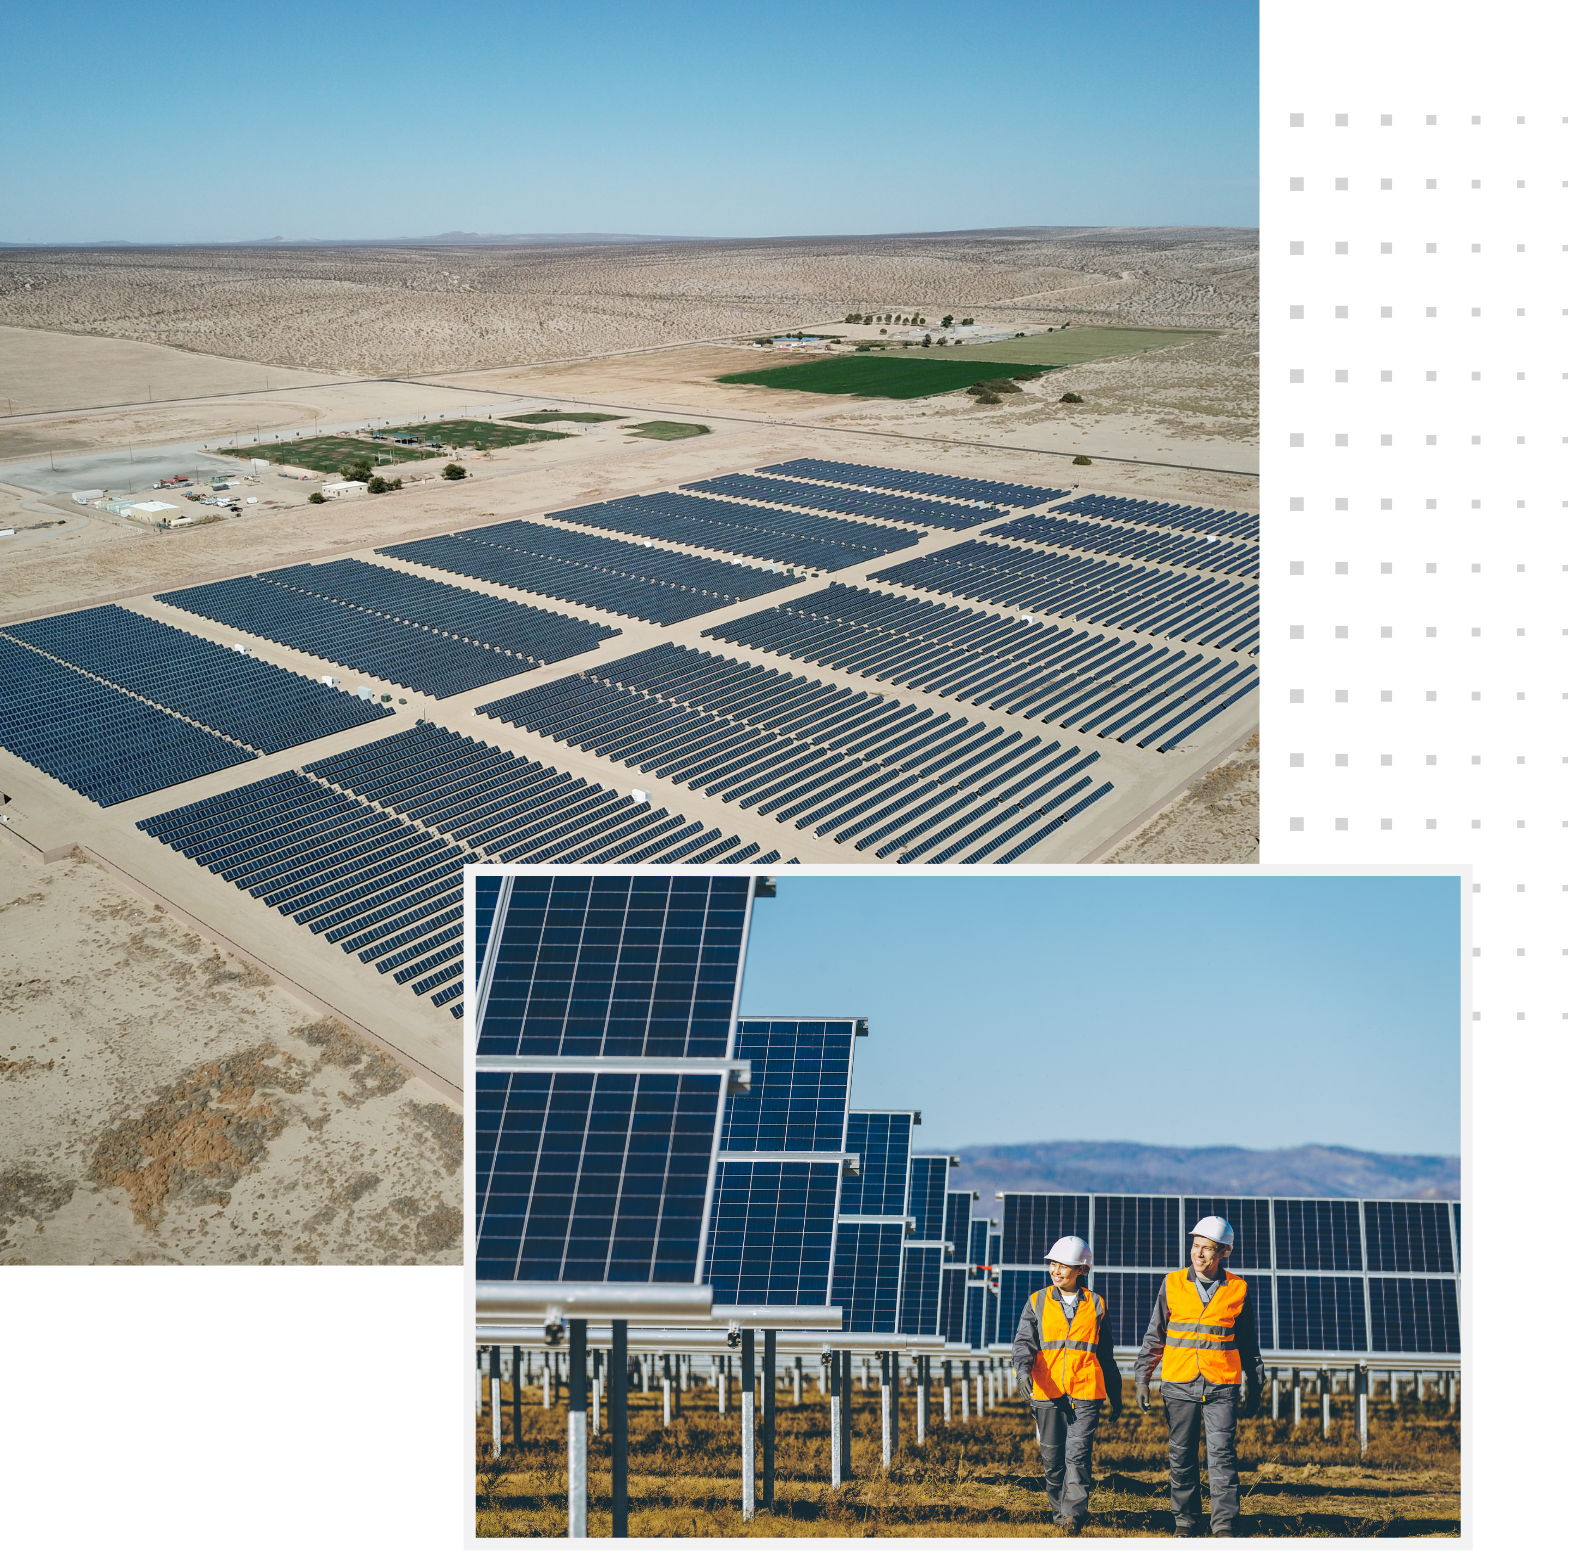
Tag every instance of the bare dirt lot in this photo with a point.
(163, 1102)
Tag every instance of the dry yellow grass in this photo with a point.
(982, 1478)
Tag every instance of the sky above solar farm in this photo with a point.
(1262, 1012)
(178, 121)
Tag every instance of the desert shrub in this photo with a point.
(1080, 458)
(376, 485)
(987, 398)
(454, 472)
(316, 498)
(1071, 399)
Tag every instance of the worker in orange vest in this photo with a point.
(1204, 1333)
(1063, 1353)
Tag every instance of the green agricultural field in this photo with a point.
(481, 435)
(327, 455)
(913, 374)
(668, 431)
(1070, 347)
(539, 417)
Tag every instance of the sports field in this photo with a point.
(540, 417)
(913, 374)
(327, 455)
(1070, 347)
(482, 435)
(667, 431)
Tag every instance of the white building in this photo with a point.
(336, 488)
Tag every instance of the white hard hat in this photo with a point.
(1072, 1251)
(1215, 1228)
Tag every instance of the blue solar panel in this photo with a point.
(977, 1242)
(1130, 1298)
(800, 1085)
(975, 1304)
(771, 1232)
(883, 1140)
(952, 1305)
(1326, 1314)
(617, 966)
(1033, 1221)
(1408, 1237)
(1136, 1231)
(1251, 1218)
(920, 1290)
(868, 1276)
(593, 1177)
(1319, 1235)
(1414, 1315)
(930, 1177)
(487, 887)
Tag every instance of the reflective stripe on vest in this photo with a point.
(1066, 1364)
(1201, 1339)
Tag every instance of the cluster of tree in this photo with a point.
(377, 485)
(891, 318)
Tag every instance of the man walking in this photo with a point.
(1203, 1332)
(1063, 1353)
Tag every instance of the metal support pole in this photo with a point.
(946, 1391)
(676, 1385)
(518, 1401)
(1324, 1384)
(1298, 1398)
(922, 1398)
(1274, 1396)
(578, 1446)
(884, 1409)
(846, 1417)
(747, 1424)
(496, 1400)
(720, 1385)
(1362, 1385)
(966, 1390)
(617, 1376)
(796, 1383)
(768, 1496)
(895, 1404)
(979, 1391)
(545, 1383)
(480, 1383)
(834, 1394)
(665, 1392)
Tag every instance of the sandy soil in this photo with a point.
(162, 1102)
(1215, 820)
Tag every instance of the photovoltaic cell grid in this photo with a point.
(487, 888)
(832, 498)
(642, 581)
(1210, 611)
(796, 539)
(616, 966)
(977, 1242)
(1162, 514)
(240, 697)
(883, 1139)
(930, 1180)
(1136, 1231)
(920, 1290)
(954, 487)
(1099, 684)
(1033, 1221)
(952, 1304)
(1317, 1234)
(593, 1177)
(1198, 552)
(957, 1216)
(867, 1281)
(799, 1089)
(771, 1232)
(905, 781)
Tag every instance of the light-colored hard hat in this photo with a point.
(1072, 1251)
(1215, 1228)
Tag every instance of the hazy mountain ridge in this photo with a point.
(1310, 1170)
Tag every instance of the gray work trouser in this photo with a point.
(1067, 1455)
(1189, 1405)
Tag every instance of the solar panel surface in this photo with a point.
(771, 1232)
(867, 1282)
(883, 1140)
(930, 1177)
(800, 1085)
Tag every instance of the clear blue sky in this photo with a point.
(1263, 1012)
(201, 122)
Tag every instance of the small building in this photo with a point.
(333, 489)
(157, 513)
(82, 498)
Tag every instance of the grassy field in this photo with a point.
(979, 1479)
(327, 455)
(540, 417)
(667, 431)
(482, 435)
(1070, 347)
(913, 374)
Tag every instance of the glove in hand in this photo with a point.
(1064, 1409)
(1250, 1404)
(1143, 1394)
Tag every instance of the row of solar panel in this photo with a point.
(954, 487)
(1199, 554)
(796, 539)
(1165, 514)
(863, 504)
(1129, 691)
(642, 581)
(241, 697)
(1285, 1233)
(1207, 610)
(99, 741)
(905, 781)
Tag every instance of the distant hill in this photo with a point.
(1313, 1170)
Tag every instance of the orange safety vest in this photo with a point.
(1200, 1338)
(1066, 1363)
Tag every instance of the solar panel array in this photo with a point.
(922, 1280)
(1200, 553)
(904, 781)
(1329, 1275)
(872, 1227)
(642, 581)
(1165, 514)
(955, 487)
(801, 1086)
(795, 538)
(1123, 690)
(833, 498)
(230, 693)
